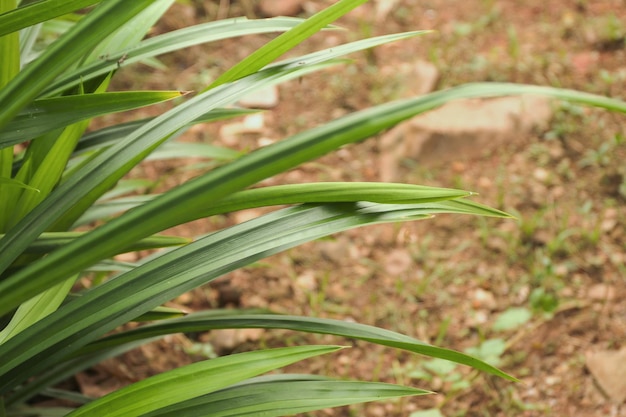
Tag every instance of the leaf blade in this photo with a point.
(194, 380)
(273, 396)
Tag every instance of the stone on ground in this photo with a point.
(462, 130)
(609, 370)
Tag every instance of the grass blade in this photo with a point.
(169, 42)
(273, 396)
(38, 12)
(247, 170)
(64, 53)
(45, 115)
(195, 380)
(153, 283)
(48, 242)
(204, 321)
(283, 43)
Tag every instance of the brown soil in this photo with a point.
(445, 280)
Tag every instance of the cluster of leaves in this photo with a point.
(55, 176)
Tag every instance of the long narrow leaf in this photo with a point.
(283, 43)
(194, 380)
(48, 242)
(210, 320)
(65, 369)
(38, 12)
(64, 53)
(48, 114)
(325, 192)
(132, 32)
(265, 162)
(110, 135)
(37, 308)
(10, 54)
(87, 184)
(153, 283)
(170, 42)
(274, 397)
(72, 200)
(10, 182)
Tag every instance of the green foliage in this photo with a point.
(54, 176)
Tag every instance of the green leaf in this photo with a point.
(107, 209)
(170, 42)
(160, 313)
(38, 12)
(128, 186)
(64, 53)
(9, 48)
(63, 370)
(490, 350)
(108, 136)
(194, 380)
(283, 43)
(512, 319)
(203, 321)
(172, 150)
(153, 283)
(36, 308)
(274, 396)
(132, 32)
(10, 54)
(341, 50)
(49, 159)
(50, 241)
(326, 192)
(99, 174)
(47, 114)
(245, 171)
(15, 183)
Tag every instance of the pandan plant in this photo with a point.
(56, 175)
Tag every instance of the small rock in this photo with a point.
(266, 98)
(461, 130)
(265, 142)
(336, 251)
(608, 224)
(417, 77)
(226, 340)
(383, 8)
(254, 122)
(272, 8)
(485, 183)
(541, 174)
(478, 318)
(601, 292)
(553, 380)
(397, 262)
(306, 281)
(483, 299)
(251, 124)
(608, 368)
(223, 339)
